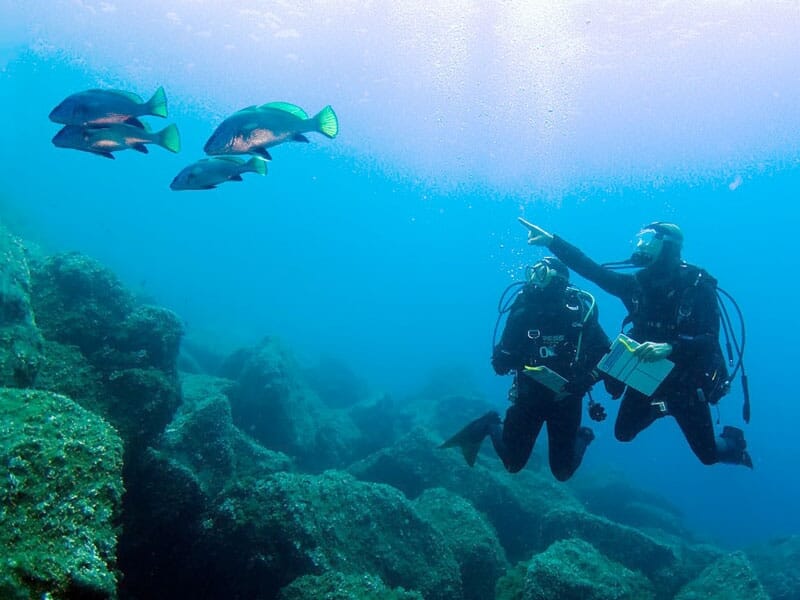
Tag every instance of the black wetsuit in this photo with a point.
(675, 303)
(544, 329)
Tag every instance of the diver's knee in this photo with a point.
(624, 436)
(562, 474)
(513, 467)
(708, 459)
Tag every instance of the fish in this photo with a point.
(105, 107)
(254, 129)
(207, 173)
(115, 137)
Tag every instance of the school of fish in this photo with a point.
(106, 121)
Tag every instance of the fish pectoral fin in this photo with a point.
(235, 178)
(299, 137)
(141, 148)
(135, 123)
(261, 152)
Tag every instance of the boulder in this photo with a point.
(289, 525)
(573, 569)
(471, 538)
(338, 586)
(60, 498)
(729, 578)
(20, 339)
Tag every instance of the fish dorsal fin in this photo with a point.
(230, 159)
(287, 107)
(247, 108)
(129, 95)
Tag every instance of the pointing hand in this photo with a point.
(536, 235)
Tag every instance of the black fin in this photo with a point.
(106, 154)
(261, 152)
(235, 178)
(469, 439)
(141, 148)
(135, 122)
(299, 137)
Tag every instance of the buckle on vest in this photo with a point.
(534, 334)
(660, 405)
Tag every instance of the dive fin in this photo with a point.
(469, 439)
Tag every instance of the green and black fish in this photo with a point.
(116, 137)
(207, 173)
(104, 107)
(254, 129)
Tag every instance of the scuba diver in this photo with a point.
(551, 340)
(674, 312)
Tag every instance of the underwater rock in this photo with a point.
(143, 402)
(163, 550)
(59, 499)
(202, 437)
(621, 543)
(274, 405)
(778, 566)
(64, 370)
(150, 336)
(729, 578)
(514, 504)
(20, 340)
(77, 301)
(335, 383)
(609, 495)
(289, 525)
(133, 348)
(381, 422)
(337, 586)
(471, 538)
(573, 569)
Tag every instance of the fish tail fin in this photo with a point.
(327, 123)
(257, 165)
(157, 105)
(169, 138)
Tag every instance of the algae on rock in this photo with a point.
(60, 500)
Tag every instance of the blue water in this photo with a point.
(390, 245)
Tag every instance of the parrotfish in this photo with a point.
(104, 107)
(207, 173)
(254, 129)
(115, 137)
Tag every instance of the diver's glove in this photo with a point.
(596, 411)
(502, 361)
(614, 387)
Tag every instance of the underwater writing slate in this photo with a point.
(621, 364)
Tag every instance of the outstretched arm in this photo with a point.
(617, 284)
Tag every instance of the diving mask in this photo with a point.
(649, 244)
(542, 274)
